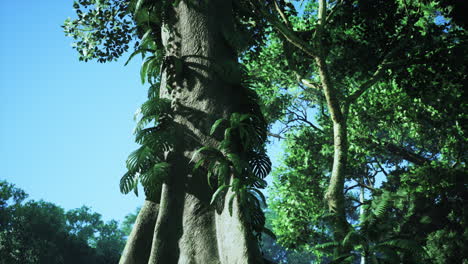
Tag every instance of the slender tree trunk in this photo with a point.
(187, 229)
(334, 195)
(362, 211)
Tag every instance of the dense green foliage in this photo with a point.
(399, 72)
(368, 97)
(42, 232)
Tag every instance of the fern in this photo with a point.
(326, 246)
(383, 205)
(355, 239)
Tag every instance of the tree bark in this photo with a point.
(138, 247)
(334, 195)
(188, 230)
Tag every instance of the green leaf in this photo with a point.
(327, 245)
(382, 206)
(144, 71)
(155, 176)
(227, 136)
(138, 6)
(231, 200)
(236, 161)
(139, 159)
(215, 125)
(198, 164)
(136, 52)
(210, 174)
(218, 192)
(235, 119)
(223, 172)
(209, 152)
(260, 194)
(127, 182)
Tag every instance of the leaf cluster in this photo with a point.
(240, 165)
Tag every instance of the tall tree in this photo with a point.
(202, 157)
(341, 57)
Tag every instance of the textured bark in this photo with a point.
(188, 230)
(137, 249)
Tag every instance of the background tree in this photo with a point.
(41, 232)
(377, 60)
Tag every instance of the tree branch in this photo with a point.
(375, 77)
(288, 33)
(398, 151)
(282, 15)
(275, 135)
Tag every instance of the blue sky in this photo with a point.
(65, 126)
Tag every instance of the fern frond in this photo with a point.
(403, 244)
(327, 246)
(354, 239)
(382, 206)
(156, 138)
(155, 106)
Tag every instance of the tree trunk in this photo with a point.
(188, 230)
(362, 211)
(138, 247)
(334, 195)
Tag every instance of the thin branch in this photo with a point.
(398, 151)
(288, 33)
(350, 188)
(309, 84)
(381, 168)
(282, 15)
(309, 123)
(367, 187)
(375, 77)
(275, 135)
(356, 200)
(332, 11)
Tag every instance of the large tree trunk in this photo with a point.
(138, 247)
(188, 230)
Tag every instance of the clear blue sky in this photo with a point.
(65, 126)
